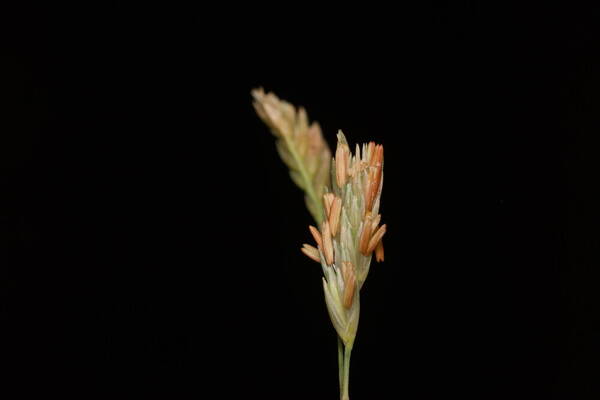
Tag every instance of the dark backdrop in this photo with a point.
(150, 234)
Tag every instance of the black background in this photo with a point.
(150, 234)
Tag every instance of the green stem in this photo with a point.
(347, 353)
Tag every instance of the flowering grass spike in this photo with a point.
(349, 230)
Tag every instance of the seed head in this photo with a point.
(341, 164)
(334, 215)
(349, 283)
(327, 243)
(376, 238)
(357, 182)
(365, 236)
(328, 202)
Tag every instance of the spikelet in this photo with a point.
(300, 145)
